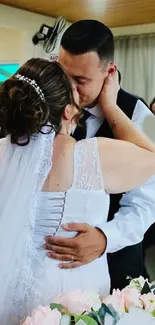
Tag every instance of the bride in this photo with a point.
(46, 178)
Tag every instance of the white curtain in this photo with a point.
(135, 57)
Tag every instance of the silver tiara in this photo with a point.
(33, 84)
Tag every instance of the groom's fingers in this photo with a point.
(89, 244)
(58, 249)
(78, 227)
(64, 257)
(71, 265)
(68, 242)
(59, 241)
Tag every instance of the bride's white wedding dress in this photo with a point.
(27, 276)
(85, 202)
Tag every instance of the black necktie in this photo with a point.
(80, 131)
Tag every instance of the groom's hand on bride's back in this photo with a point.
(89, 244)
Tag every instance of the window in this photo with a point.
(7, 70)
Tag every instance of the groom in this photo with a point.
(87, 54)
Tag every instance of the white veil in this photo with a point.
(23, 171)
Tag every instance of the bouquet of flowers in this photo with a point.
(135, 304)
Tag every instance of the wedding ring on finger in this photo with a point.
(72, 259)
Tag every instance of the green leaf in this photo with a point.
(57, 306)
(88, 320)
(103, 310)
(153, 289)
(153, 313)
(96, 317)
(108, 310)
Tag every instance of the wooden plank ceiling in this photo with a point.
(114, 13)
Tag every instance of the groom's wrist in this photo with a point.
(104, 242)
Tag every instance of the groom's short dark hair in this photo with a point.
(89, 35)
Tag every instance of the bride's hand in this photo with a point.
(109, 92)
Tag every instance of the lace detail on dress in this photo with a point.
(87, 169)
(20, 304)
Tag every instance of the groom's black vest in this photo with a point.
(128, 261)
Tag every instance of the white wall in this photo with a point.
(25, 24)
(134, 30)
(9, 45)
(17, 28)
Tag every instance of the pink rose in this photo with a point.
(78, 302)
(148, 301)
(43, 316)
(131, 298)
(116, 300)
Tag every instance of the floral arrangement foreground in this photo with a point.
(134, 305)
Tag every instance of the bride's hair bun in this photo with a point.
(22, 110)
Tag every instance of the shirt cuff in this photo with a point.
(113, 235)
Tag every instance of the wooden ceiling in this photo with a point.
(113, 13)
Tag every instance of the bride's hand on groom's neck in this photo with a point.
(88, 245)
(108, 96)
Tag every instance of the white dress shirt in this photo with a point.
(137, 207)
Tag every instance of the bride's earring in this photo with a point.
(69, 131)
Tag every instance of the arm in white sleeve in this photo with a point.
(137, 207)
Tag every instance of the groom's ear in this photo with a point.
(112, 69)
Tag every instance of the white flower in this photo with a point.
(78, 302)
(138, 283)
(65, 320)
(148, 301)
(136, 316)
(96, 301)
(108, 320)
